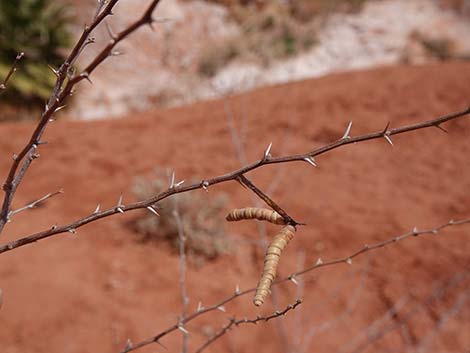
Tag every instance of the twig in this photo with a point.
(65, 82)
(222, 178)
(34, 203)
(236, 323)
(246, 182)
(182, 263)
(201, 311)
(10, 73)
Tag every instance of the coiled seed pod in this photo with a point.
(271, 261)
(261, 214)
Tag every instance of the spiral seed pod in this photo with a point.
(261, 214)
(271, 261)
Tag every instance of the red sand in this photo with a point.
(93, 291)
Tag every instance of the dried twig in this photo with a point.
(10, 73)
(34, 203)
(182, 264)
(65, 82)
(224, 178)
(348, 260)
(234, 322)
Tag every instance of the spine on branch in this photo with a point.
(271, 261)
(261, 214)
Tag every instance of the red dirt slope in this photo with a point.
(93, 291)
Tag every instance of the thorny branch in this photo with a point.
(319, 263)
(234, 322)
(247, 183)
(204, 184)
(10, 73)
(65, 82)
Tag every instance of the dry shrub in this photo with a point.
(266, 35)
(201, 216)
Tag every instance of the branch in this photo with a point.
(3, 85)
(204, 184)
(182, 265)
(65, 82)
(34, 203)
(348, 260)
(236, 323)
(247, 183)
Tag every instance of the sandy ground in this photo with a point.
(92, 291)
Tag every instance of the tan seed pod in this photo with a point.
(261, 214)
(271, 261)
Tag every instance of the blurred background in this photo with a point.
(206, 91)
(208, 49)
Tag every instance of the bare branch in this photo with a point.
(221, 179)
(368, 248)
(10, 73)
(182, 263)
(65, 82)
(236, 323)
(246, 182)
(35, 203)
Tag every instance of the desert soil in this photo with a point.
(92, 291)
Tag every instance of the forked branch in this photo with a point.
(318, 264)
(204, 184)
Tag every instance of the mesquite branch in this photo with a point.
(204, 184)
(65, 82)
(234, 322)
(319, 264)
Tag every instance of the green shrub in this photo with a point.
(39, 29)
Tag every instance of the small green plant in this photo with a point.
(201, 217)
(39, 29)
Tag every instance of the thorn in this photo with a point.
(179, 184)
(237, 289)
(56, 72)
(42, 143)
(86, 76)
(129, 344)
(172, 180)
(293, 280)
(415, 231)
(349, 261)
(441, 128)
(154, 211)
(97, 209)
(389, 140)
(60, 108)
(116, 53)
(205, 185)
(319, 262)
(221, 308)
(311, 161)
(182, 329)
(268, 150)
(119, 203)
(120, 209)
(14, 156)
(348, 130)
(386, 128)
(199, 307)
